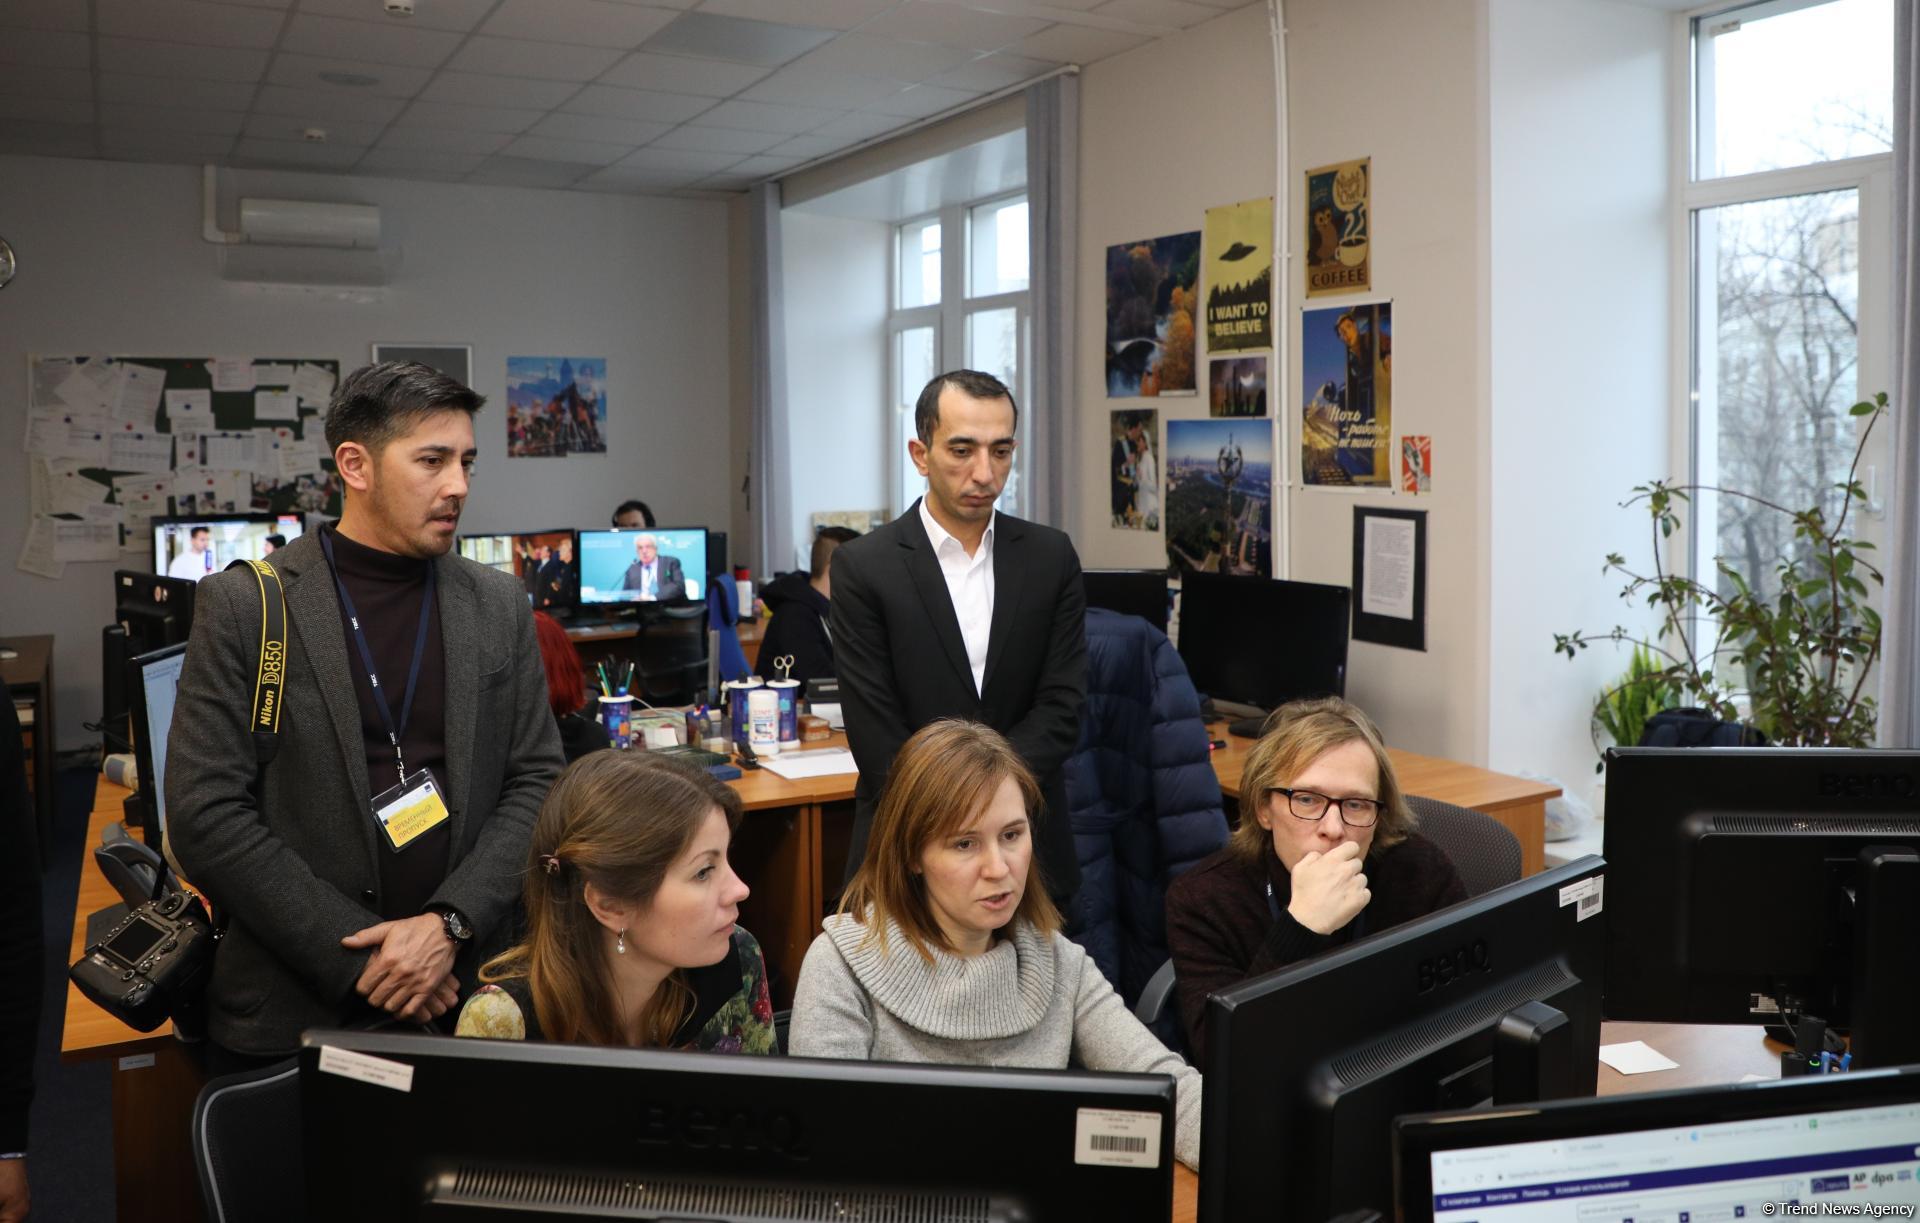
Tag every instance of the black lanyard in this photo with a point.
(366, 655)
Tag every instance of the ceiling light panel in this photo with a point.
(550, 61)
(766, 43)
(594, 23)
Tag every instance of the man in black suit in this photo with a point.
(652, 575)
(952, 610)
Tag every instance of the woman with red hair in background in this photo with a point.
(580, 732)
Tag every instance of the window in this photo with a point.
(1786, 206)
(985, 326)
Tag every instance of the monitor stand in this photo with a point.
(1246, 720)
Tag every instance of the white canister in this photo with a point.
(763, 721)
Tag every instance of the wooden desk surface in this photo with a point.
(89, 1032)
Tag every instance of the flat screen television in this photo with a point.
(1261, 643)
(1131, 592)
(544, 563)
(181, 551)
(625, 568)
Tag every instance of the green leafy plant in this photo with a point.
(1622, 710)
(1801, 658)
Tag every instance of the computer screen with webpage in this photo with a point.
(159, 685)
(1849, 1162)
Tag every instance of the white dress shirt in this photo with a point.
(970, 586)
(189, 564)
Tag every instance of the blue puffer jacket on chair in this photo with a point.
(1145, 801)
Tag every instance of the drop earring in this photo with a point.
(620, 944)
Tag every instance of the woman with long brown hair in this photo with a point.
(947, 948)
(631, 907)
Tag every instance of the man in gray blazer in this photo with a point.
(338, 915)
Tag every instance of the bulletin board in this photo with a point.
(113, 442)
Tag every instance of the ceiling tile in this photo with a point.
(328, 104)
(680, 74)
(176, 59)
(760, 167)
(595, 23)
(716, 140)
(166, 91)
(725, 182)
(441, 140)
(419, 163)
(43, 15)
(356, 76)
(127, 140)
(922, 101)
(1073, 44)
(614, 179)
(207, 25)
(993, 72)
(173, 118)
(577, 152)
(433, 15)
(637, 104)
(29, 146)
(30, 82)
(549, 61)
(23, 130)
(685, 160)
(630, 132)
(953, 25)
(471, 89)
(861, 125)
(468, 118)
(906, 62)
(296, 153)
(45, 49)
(815, 87)
(376, 42)
(46, 110)
(525, 172)
(811, 146)
(766, 43)
(760, 117)
(1174, 14)
(284, 127)
(830, 14)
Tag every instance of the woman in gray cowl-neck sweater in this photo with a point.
(946, 950)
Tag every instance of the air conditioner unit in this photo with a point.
(301, 243)
(306, 223)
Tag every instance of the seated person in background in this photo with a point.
(799, 602)
(651, 575)
(633, 515)
(630, 910)
(580, 729)
(947, 949)
(1323, 829)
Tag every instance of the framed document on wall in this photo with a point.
(1390, 577)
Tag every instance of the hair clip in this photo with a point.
(552, 863)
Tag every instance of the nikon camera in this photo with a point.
(153, 966)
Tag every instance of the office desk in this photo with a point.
(1519, 804)
(749, 633)
(31, 676)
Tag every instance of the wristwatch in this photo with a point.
(457, 928)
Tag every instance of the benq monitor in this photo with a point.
(1262, 643)
(653, 565)
(546, 564)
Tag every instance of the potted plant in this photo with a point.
(1622, 710)
(1800, 658)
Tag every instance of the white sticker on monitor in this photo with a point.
(379, 1071)
(1116, 1138)
(1588, 894)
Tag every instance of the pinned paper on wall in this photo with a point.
(37, 550)
(59, 488)
(313, 383)
(273, 373)
(232, 373)
(139, 450)
(189, 413)
(276, 405)
(232, 451)
(93, 538)
(89, 386)
(141, 387)
(68, 436)
(296, 458)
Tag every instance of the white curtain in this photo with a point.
(1053, 207)
(1900, 669)
(768, 492)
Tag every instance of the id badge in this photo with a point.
(409, 809)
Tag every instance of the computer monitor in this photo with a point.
(1497, 997)
(1759, 884)
(153, 609)
(1131, 592)
(1261, 643)
(1746, 1150)
(546, 564)
(610, 566)
(445, 1128)
(230, 537)
(152, 681)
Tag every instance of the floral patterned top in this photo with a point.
(732, 1011)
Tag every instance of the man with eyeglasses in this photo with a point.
(1325, 852)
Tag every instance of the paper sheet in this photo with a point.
(313, 384)
(235, 451)
(139, 450)
(1636, 1057)
(825, 762)
(189, 412)
(68, 436)
(276, 405)
(273, 373)
(232, 373)
(1388, 573)
(297, 458)
(89, 386)
(140, 388)
(140, 498)
(93, 538)
(46, 375)
(36, 552)
(61, 489)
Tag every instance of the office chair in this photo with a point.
(247, 1144)
(1155, 995)
(1481, 848)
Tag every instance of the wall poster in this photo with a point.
(1150, 305)
(1135, 475)
(1339, 228)
(556, 406)
(1346, 371)
(1239, 246)
(1220, 497)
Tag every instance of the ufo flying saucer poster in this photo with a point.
(1239, 246)
(1151, 291)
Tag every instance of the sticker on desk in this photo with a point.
(136, 1061)
(1116, 1138)
(379, 1071)
(1589, 894)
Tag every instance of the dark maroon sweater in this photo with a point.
(1222, 932)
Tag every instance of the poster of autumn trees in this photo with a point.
(1151, 291)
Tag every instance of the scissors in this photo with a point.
(783, 664)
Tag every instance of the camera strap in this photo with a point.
(270, 672)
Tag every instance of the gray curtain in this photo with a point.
(1900, 670)
(770, 491)
(1053, 235)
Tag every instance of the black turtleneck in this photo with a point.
(386, 591)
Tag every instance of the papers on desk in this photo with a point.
(1636, 1057)
(820, 762)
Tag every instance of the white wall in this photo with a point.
(836, 310)
(1579, 349)
(111, 261)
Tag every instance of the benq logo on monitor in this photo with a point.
(700, 1127)
(1449, 967)
(1867, 785)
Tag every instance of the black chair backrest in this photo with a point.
(248, 1146)
(1483, 850)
